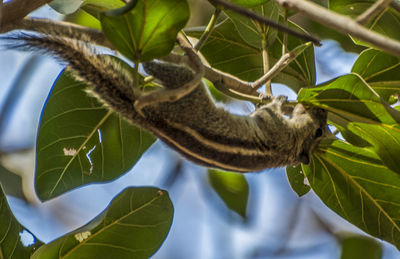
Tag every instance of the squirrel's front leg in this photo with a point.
(180, 88)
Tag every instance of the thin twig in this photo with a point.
(284, 43)
(343, 24)
(261, 19)
(265, 58)
(208, 30)
(224, 82)
(278, 67)
(375, 9)
(15, 10)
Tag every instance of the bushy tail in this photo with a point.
(108, 80)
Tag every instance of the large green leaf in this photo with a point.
(350, 98)
(80, 141)
(232, 188)
(149, 30)
(297, 180)
(384, 138)
(133, 226)
(227, 51)
(386, 24)
(357, 246)
(251, 31)
(11, 246)
(380, 70)
(354, 183)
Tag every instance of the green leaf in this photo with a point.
(232, 188)
(11, 246)
(380, 70)
(386, 23)
(133, 226)
(249, 3)
(297, 180)
(80, 141)
(350, 98)
(227, 51)
(384, 138)
(65, 6)
(251, 31)
(12, 183)
(149, 30)
(354, 183)
(357, 246)
(96, 8)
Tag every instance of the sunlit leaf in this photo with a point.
(385, 140)
(80, 141)
(96, 7)
(11, 246)
(232, 188)
(149, 30)
(297, 180)
(357, 246)
(227, 51)
(133, 226)
(350, 98)
(354, 183)
(380, 70)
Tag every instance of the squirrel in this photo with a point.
(193, 125)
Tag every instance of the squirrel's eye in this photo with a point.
(318, 133)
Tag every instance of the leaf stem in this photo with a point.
(122, 10)
(279, 65)
(284, 43)
(208, 30)
(265, 57)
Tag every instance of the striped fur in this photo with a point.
(193, 125)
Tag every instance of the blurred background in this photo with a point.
(278, 224)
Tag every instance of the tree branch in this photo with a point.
(343, 24)
(261, 19)
(278, 67)
(375, 9)
(16, 10)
